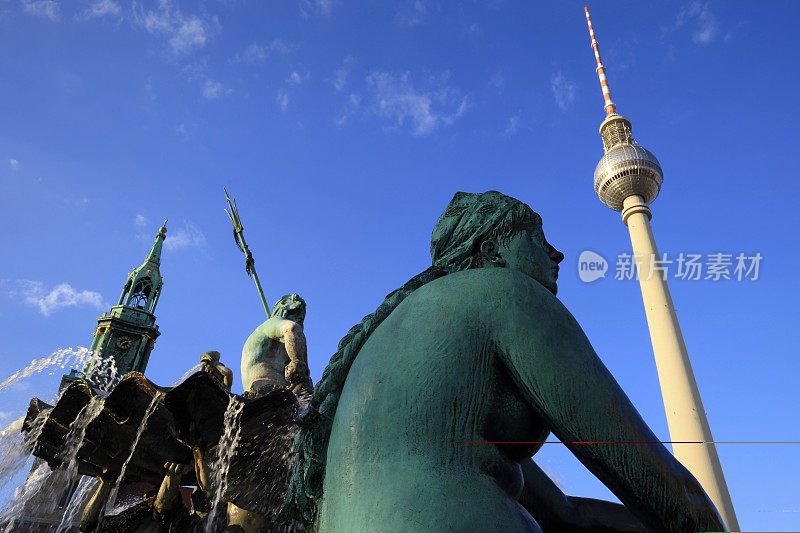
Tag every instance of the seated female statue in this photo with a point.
(478, 348)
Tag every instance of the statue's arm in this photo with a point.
(288, 332)
(556, 512)
(291, 334)
(556, 367)
(227, 376)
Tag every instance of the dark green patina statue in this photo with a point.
(478, 348)
(275, 355)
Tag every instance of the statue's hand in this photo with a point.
(176, 469)
(296, 372)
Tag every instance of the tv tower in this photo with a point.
(627, 179)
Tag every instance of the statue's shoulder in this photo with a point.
(266, 330)
(504, 288)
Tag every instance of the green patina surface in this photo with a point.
(127, 333)
(261, 354)
(478, 348)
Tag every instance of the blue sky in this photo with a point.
(344, 128)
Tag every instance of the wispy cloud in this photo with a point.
(412, 13)
(14, 164)
(322, 8)
(49, 9)
(563, 90)
(5, 415)
(699, 17)
(341, 73)
(395, 97)
(141, 221)
(101, 8)
(187, 237)
(512, 125)
(184, 32)
(282, 99)
(256, 52)
(199, 72)
(212, 90)
(35, 294)
(497, 81)
(296, 78)
(472, 30)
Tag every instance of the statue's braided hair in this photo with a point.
(311, 442)
(468, 220)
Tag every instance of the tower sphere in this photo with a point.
(625, 170)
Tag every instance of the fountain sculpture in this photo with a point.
(426, 419)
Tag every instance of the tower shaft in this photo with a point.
(686, 416)
(627, 179)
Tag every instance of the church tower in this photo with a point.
(128, 331)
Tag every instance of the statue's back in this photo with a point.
(427, 380)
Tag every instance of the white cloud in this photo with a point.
(512, 126)
(49, 9)
(563, 90)
(140, 221)
(254, 52)
(339, 79)
(282, 99)
(394, 97)
(212, 90)
(14, 164)
(295, 78)
(317, 7)
(472, 30)
(186, 237)
(412, 13)
(497, 81)
(191, 33)
(180, 129)
(340, 74)
(34, 294)
(150, 91)
(699, 16)
(259, 52)
(350, 109)
(185, 32)
(101, 8)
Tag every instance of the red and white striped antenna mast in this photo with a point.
(610, 107)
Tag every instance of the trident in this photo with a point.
(238, 236)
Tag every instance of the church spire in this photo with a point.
(143, 285)
(155, 252)
(126, 334)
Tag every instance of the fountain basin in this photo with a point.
(189, 415)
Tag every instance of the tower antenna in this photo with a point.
(627, 179)
(610, 107)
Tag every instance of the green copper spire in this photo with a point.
(128, 331)
(155, 252)
(143, 286)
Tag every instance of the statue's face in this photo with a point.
(292, 307)
(210, 357)
(529, 252)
